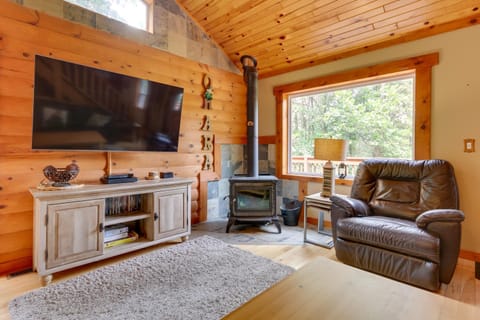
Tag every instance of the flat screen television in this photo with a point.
(76, 107)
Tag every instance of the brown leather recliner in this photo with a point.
(400, 221)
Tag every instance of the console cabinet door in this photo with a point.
(170, 212)
(74, 231)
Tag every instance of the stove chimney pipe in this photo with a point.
(250, 77)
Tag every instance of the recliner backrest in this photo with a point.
(405, 188)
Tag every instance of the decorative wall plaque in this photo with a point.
(206, 123)
(207, 163)
(207, 142)
(208, 95)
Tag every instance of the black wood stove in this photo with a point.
(252, 196)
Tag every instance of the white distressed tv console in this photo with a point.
(69, 224)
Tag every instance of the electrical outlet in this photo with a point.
(468, 145)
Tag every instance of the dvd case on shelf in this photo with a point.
(123, 204)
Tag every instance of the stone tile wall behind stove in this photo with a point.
(173, 30)
(234, 162)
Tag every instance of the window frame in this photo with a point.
(149, 21)
(421, 66)
(350, 85)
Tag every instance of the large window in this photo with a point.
(374, 116)
(382, 110)
(136, 13)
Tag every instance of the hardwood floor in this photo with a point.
(464, 287)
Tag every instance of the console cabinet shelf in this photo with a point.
(69, 225)
(125, 218)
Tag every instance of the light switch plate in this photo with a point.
(468, 145)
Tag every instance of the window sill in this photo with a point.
(306, 178)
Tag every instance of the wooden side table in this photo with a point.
(324, 205)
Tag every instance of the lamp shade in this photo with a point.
(330, 149)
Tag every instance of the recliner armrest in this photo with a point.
(446, 224)
(351, 207)
(439, 215)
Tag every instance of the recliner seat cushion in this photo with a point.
(402, 236)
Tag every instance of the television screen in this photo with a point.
(76, 107)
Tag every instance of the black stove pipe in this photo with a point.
(250, 77)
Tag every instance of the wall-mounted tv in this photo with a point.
(76, 107)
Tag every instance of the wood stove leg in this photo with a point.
(279, 227)
(229, 224)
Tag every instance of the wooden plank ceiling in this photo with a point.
(286, 35)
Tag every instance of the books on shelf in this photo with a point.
(131, 236)
(115, 229)
(115, 236)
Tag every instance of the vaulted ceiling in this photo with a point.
(286, 35)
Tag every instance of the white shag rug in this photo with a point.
(203, 278)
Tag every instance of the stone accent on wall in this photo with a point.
(213, 211)
(173, 30)
(52, 7)
(78, 14)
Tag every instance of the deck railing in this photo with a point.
(309, 165)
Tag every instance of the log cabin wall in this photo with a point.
(25, 32)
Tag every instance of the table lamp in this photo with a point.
(329, 149)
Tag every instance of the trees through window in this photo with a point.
(135, 13)
(382, 110)
(375, 117)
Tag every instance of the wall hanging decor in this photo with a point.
(208, 95)
(207, 142)
(207, 163)
(206, 126)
